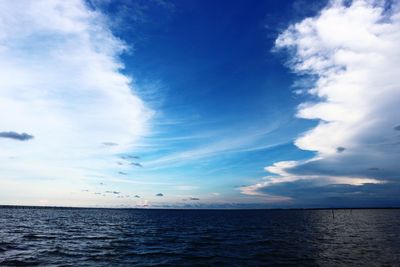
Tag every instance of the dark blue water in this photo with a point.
(108, 237)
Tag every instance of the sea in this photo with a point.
(34, 236)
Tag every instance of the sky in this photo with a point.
(200, 103)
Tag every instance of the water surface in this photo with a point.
(129, 237)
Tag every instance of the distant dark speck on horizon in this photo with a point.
(160, 195)
(113, 192)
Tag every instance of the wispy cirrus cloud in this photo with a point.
(352, 51)
(219, 143)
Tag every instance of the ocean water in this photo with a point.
(129, 237)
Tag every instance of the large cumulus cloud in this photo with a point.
(61, 82)
(352, 52)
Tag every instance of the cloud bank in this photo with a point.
(352, 52)
(61, 80)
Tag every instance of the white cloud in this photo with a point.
(220, 143)
(353, 51)
(61, 82)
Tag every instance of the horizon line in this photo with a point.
(180, 208)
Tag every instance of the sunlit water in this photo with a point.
(108, 237)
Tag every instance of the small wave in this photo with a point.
(19, 263)
(38, 236)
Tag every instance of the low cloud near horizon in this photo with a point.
(352, 53)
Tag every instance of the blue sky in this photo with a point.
(210, 104)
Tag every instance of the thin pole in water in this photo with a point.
(333, 214)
